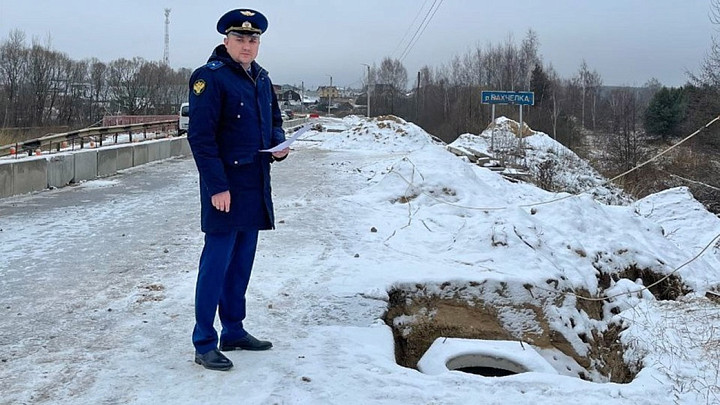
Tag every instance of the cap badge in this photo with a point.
(198, 86)
(247, 13)
(246, 24)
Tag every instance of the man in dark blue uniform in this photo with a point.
(233, 115)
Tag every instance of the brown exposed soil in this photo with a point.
(425, 317)
(668, 288)
(392, 118)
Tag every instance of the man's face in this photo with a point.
(242, 48)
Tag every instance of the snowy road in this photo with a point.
(81, 270)
(97, 285)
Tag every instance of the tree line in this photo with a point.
(41, 87)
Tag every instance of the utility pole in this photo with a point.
(302, 96)
(417, 98)
(330, 95)
(368, 89)
(166, 54)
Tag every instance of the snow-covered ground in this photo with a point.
(97, 282)
(545, 159)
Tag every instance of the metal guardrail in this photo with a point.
(82, 136)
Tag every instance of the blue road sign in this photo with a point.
(508, 97)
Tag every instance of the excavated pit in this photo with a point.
(489, 310)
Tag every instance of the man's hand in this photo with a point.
(221, 201)
(281, 154)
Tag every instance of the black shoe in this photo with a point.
(213, 360)
(246, 343)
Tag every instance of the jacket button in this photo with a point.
(242, 104)
(238, 115)
(235, 162)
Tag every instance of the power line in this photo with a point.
(692, 181)
(407, 31)
(421, 29)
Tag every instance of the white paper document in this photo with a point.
(288, 141)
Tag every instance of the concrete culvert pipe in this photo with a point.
(490, 358)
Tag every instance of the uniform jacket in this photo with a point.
(234, 114)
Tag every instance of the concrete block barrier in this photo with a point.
(180, 147)
(124, 157)
(294, 122)
(29, 175)
(6, 179)
(164, 149)
(107, 162)
(38, 173)
(85, 165)
(60, 170)
(158, 150)
(140, 154)
(153, 151)
(185, 148)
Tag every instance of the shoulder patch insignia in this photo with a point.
(216, 64)
(198, 87)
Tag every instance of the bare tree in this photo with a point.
(593, 84)
(43, 70)
(582, 81)
(13, 64)
(510, 65)
(177, 88)
(529, 57)
(588, 85)
(74, 92)
(392, 72)
(492, 66)
(557, 96)
(475, 65)
(624, 143)
(169, 88)
(153, 76)
(98, 89)
(391, 81)
(709, 74)
(127, 93)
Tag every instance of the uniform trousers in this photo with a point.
(224, 272)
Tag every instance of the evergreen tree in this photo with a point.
(667, 109)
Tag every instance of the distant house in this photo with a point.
(290, 95)
(278, 89)
(328, 91)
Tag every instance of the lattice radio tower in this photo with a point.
(166, 54)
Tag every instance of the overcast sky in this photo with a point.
(626, 41)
